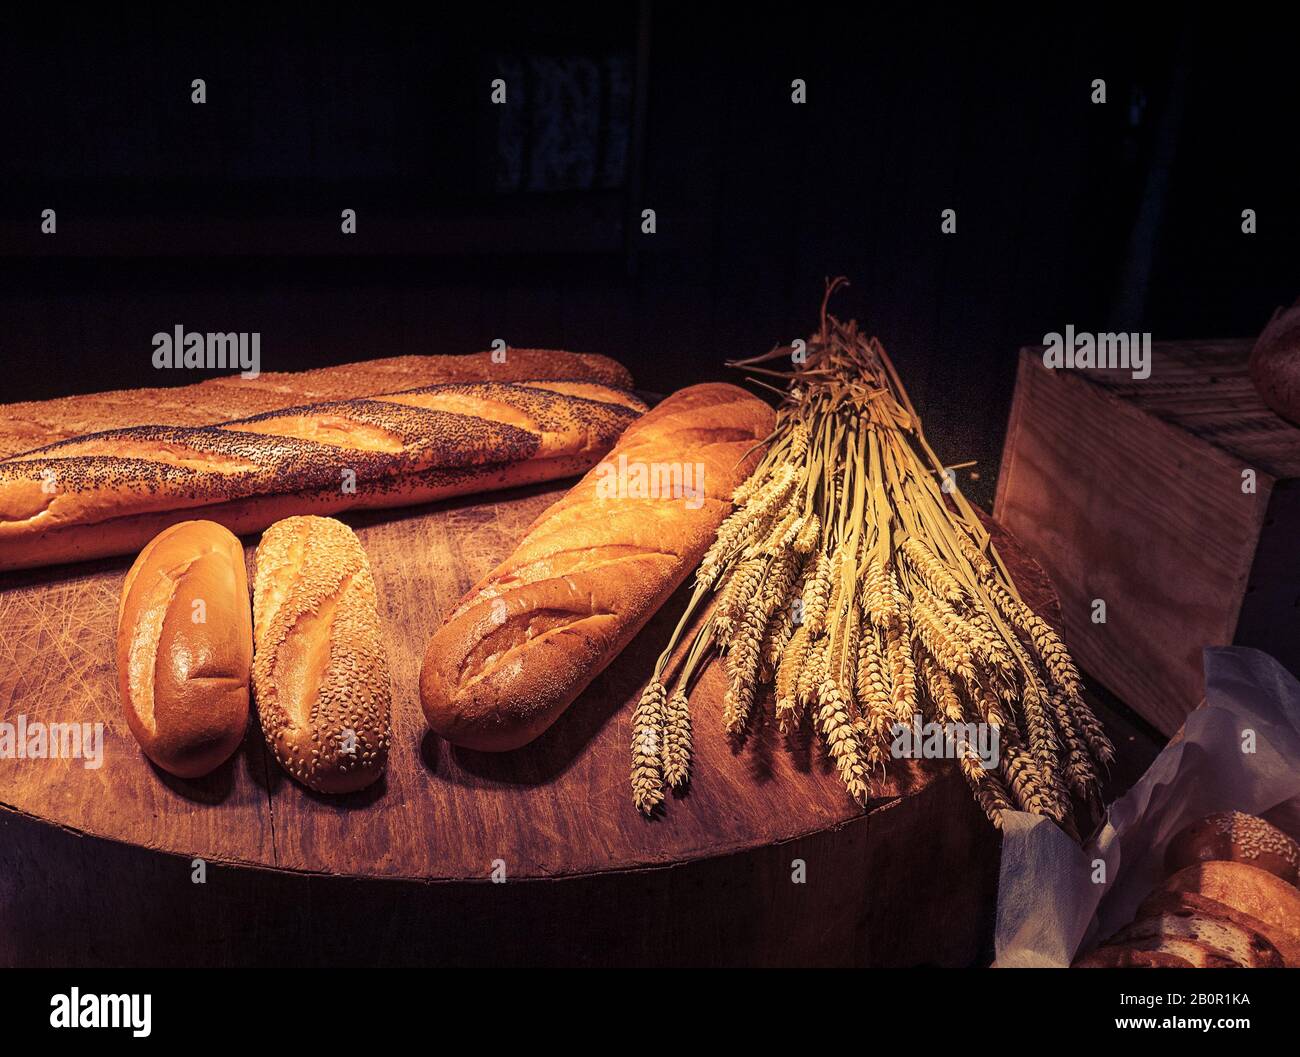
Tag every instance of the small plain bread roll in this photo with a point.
(320, 669)
(185, 648)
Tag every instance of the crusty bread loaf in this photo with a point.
(1196, 954)
(1131, 958)
(1231, 836)
(1166, 901)
(1249, 890)
(1275, 363)
(185, 648)
(1225, 905)
(35, 423)
(108, 493)
(528, 639)
(1241, 944)
(320, 668)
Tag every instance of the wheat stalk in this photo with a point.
(647, 735)
(676, 763)
(867, 595)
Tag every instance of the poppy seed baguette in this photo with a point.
(109, 493)
(34, 423)
(526, 641)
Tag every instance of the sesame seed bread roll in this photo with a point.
(320, 669)
(109, 493)
(590, 572)
(1232, 836)
(185, 648)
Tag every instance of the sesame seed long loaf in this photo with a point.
(524, 643)
(111, 492)
(320, 670)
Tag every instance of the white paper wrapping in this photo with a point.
(1049, 907)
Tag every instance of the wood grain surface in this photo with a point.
(559, 807)
(1130, 491)
(1204, 388)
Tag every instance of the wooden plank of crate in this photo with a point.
(1125, 504)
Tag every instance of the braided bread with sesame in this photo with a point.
(111, 492)
(526, 641)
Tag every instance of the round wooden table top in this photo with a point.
(558, 807)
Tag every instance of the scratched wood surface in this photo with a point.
(558, 807)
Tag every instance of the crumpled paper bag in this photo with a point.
(1049, 909)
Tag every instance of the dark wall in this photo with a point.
(226, 216)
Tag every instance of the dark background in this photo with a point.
(522, 222)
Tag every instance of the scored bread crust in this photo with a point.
(524, 642)
(320, 668)
(1230, 938)
(1198, 955)
(1131, 958)
(1184, 903)
(1249, 890)
(185, 648)
(107, 493)
(33, 423)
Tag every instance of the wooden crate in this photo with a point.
(1131, 491)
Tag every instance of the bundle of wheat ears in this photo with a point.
(858, 580)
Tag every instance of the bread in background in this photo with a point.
(1252, 891)
(1233, 905)
(1233, 836)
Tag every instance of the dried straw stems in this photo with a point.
(868, 593)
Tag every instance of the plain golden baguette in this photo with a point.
(35, 423)
(108, 493)
(320, 668)
(590, 572)
(185, 648)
